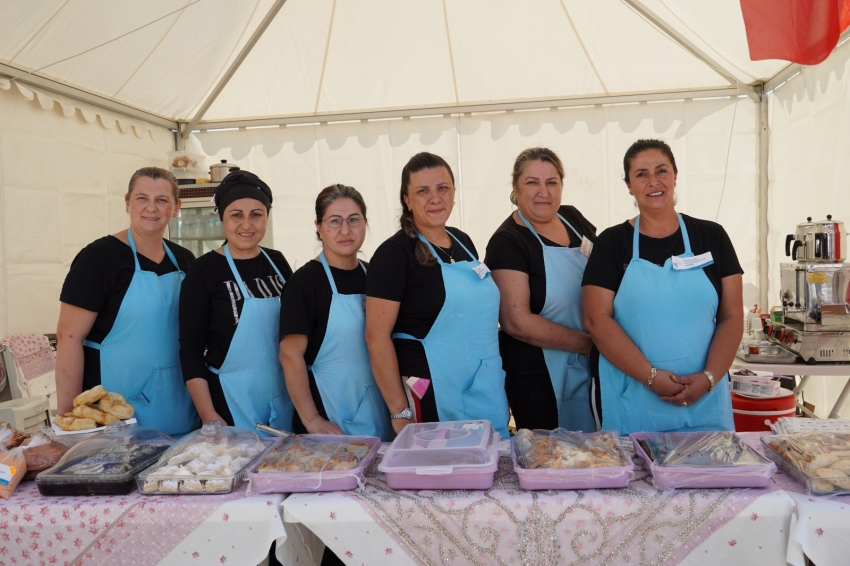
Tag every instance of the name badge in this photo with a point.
(586, 246)
(482, 270)
(686, 263)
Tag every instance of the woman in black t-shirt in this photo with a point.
(432, 311)
(322, 323)
(118, 317)
(663, 302)
(230, 309)
(538, 257)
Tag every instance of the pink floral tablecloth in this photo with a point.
(506, 525)
(134, 529)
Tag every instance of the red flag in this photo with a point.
(802, 31)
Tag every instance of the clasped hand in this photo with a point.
(682, 390)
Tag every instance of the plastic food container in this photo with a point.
(185, 165)
(701, 460)
(570, 460)
(212, 460)
(314, 462)
(820, 461)
(446, 455)
(106, 463)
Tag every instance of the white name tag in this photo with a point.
(686, 263)
(586, 246)
(482, 270)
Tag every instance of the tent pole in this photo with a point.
(228, 74)
(763, 198)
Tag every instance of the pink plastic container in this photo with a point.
(580, 478)
(328, 480)
(671, 477)
(447, 455)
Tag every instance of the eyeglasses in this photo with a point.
(336, 222)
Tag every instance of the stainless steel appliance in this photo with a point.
(822, 241)
(197, 226)
(218, 171)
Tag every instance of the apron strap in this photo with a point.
(403, 336)
(536, 235)
(214, 370)
(434, 252)
(91, 344)
(324, 261)
(238, 277)
(685, 237)
(168, 252)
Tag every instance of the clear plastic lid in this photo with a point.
(697, 449)
(561, 449)
(114, 455)
(212, 452)
(464, 444)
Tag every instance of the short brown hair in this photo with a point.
(644, 145)
(154, 173)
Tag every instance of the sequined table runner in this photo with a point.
(506, 525)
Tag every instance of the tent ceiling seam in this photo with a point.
(688, 46)
(583, 47)
(325, 57)
(38, 31)
(151, 52)
(451, 53)
(236, 63)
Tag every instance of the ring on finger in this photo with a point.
(684, 403)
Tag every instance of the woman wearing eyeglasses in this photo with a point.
(322, 322)
(230, 309)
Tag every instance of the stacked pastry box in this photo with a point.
(561, 459)
(210, 460)
(313, 462)
(819, 460)
(701, 460)
(106, 463)
(444, 455)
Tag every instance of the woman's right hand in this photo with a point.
(665, 385)
(399, 424)
(318, 425)
(212, 416)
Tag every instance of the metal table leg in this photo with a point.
(804, 379)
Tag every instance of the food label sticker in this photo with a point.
(6, 474)
(482, 270)
(473, 426)
(686, 263)
(586, 246)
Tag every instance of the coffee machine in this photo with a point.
(815, 294)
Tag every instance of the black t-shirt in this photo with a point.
(98, 280)
(395, 275)
(613, 252)
(515, 247)
(210, 306)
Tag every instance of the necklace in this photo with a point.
(449, 254)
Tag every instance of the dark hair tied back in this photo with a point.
(335, 192)
(417, 163)
(643, 145)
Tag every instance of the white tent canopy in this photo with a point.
(312, 92)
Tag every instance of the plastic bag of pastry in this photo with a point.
(562, 459)
(13, 466)
(818, 460)
(106, 463)
(701, 459)
(313, 462)
(41, 453)
(11, 437)
(210, 460)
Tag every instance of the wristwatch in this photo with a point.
(710, 377)
(405, 414)
(652, 373)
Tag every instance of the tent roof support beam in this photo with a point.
(795, 68)
(468, 108)
(691, 48)
(81, 95)
(186, 129)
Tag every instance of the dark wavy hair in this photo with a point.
(643, 145)
(417, 163)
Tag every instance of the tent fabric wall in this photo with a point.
(714, 141)
(62, 181)
(809, 168)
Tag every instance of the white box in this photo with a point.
(756, 388)
(28, 414)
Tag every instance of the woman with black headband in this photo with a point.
(230, 309)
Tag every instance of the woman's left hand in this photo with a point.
(695, 386)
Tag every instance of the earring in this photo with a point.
(512, 198)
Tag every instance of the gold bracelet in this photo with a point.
(710, 377)
(652, 373)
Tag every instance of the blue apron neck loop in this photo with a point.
(434, 252)
(324, 261)
(636, 247)
(168, 252)
(238, 277)
(536, 235)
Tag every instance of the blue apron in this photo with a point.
(569, 371)
(251, 375)
(462, 347)
(342, 370)
(670, 315)
(140, 357)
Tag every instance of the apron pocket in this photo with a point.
(158, 385)
(486, 397)
(371, 417)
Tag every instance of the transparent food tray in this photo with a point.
(576, 478)
(218, 485)
(673, 477)
(325, 480)
(768, 354)
(814, 485)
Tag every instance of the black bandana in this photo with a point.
(238, 185)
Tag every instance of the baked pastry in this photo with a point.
(298, 454)
(564, 450)
(823, 457)
(86, 412)
(90, 397)
(116, 405)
